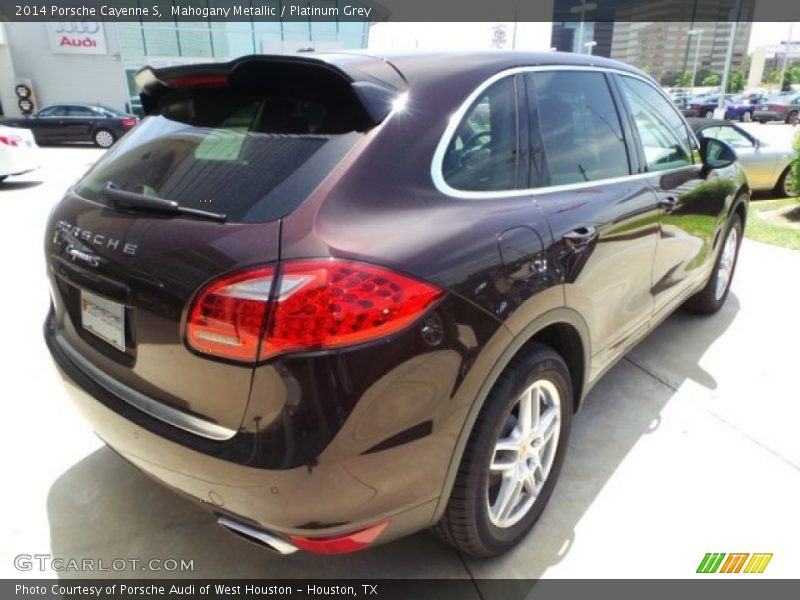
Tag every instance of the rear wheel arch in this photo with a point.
(563, 330)
(739, 206)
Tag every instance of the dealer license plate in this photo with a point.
(103, 318)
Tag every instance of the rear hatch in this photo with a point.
(196, 191)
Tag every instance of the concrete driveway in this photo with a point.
(689, 445)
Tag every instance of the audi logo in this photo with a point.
(85, 27)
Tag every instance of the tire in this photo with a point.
(791, 118)
(747, 116)
(712, 297)
(784, 187)
(473, 520)
(103, 138)
(709, 114)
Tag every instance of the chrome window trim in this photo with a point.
(146, 404)
(438, 156)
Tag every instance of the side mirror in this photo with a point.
(716, 154)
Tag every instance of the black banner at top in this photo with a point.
(400, 10)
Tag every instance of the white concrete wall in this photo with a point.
(63, 77)
(8, 100)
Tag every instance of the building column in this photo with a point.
(8, 98)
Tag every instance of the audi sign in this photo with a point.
(76, 37)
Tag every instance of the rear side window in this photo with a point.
(664, 136)
(251, 156)
(482, 154)
(579, 127)
(80, 111)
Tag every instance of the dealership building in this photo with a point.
(94, 62)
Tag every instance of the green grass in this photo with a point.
(760, 230)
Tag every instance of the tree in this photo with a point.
(795, 172)
(794, 74)
(736, 82)
(786, 85)
(684, 79)
(712, 79)
(771, 75)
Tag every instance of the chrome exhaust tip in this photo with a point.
(263, 538)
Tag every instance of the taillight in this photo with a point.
(128, 122)
(777, 106)
(317, 305)
(10, 140)
(227, 318)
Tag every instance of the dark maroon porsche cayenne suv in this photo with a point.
(341, 298)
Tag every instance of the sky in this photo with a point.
(766, 34)
(530, 36)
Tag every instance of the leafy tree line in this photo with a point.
(736, 80)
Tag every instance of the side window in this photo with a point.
(482, 154)
(579, 127)
(663, 134)
(727, 134)
(80, 111)
(50, 111)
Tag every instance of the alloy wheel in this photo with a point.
(524, 454)
(788, 186)
(726, 262)
(104, 139)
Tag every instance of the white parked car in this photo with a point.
(18, 151)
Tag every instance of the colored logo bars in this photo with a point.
(713, 562)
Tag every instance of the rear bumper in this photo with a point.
(20, 162)
(767, 115)
(341, 492)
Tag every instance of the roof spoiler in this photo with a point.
(375, 95)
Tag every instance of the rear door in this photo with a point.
(79, 122)
(123, 279)
(692, 203)
(604, 220)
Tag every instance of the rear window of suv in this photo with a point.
(250, 156)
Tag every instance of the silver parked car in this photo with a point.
(767, 166)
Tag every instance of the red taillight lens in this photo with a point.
(342, 544)
(227, 318)
(328, 304)
(10, 140)
(128, 122)
(777, 106)
(318, 305)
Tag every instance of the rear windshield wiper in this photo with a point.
(125, 199)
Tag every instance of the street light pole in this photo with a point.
(786, 57)
(582, 8)
(699, 34)
(727, 70)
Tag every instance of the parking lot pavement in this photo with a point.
(687, 446)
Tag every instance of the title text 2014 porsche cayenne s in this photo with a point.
(340, 298)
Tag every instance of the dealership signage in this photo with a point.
(76, 37)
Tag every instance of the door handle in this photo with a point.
(579, 238)
(668, 203)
